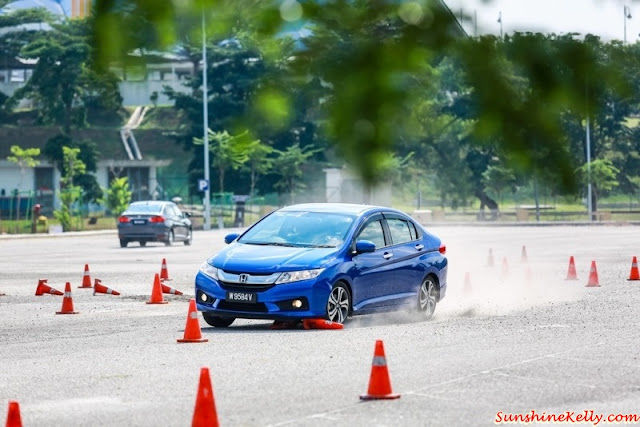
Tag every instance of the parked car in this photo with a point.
(326, 261)
(154, 221)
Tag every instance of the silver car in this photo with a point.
(154, 221)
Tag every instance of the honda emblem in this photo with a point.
(243, 278)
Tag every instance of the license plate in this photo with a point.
(242, 297)
(139, 221)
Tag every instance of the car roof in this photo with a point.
(151, 203)
(346, 208)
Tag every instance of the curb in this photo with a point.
(67, 234)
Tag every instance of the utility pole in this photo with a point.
(205, 125)
(500, 22)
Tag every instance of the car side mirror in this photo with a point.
(365, 246)
(230, 237)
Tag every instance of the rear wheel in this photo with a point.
(170, 239)
(427, 298)
(339, 303)
(123, 243)
(189, 238)
(143, 243)
(217, 321)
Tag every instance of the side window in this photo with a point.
(373, 232)
(400, 230)
(414, 231)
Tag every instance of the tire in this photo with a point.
(427, 298)
(143, 243)
(124, 243)
(170, 239)
(339, 303)
(217, 321)
(189, 239)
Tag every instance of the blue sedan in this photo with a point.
(324, 260)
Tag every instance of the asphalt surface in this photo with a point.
(524, 339)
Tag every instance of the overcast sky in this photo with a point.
(601, 17)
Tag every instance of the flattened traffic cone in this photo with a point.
(490, 258)
(593, 276)
(67, 301)
(164, 272)
(571, 273)
(379, 382)
(86, 278)
(192, 331)
(99, 288)
(166, 289)
(205, 414)
(13, 415)
(523, 255)
(467, 284)
(635, 274)
(43, 288)
(156, 293)
(321, 324)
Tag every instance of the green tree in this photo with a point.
(289, 166)
(24, 158)
(498, 178)
(69, 193)
(602, 175)
(227, 152)
(117, 196)
(259, 163)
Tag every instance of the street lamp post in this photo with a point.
(627, 15)
(500, 22)
(205, 125)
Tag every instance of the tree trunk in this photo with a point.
(486, 201)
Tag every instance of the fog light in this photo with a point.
(203, 297)
(296, 303)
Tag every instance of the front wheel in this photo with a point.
(427, 298)
(339, 303)
(217, 321)
(170, 239)
(189, 238)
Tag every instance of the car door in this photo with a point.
(406, 252)
(373, 274)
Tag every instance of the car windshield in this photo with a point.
(144, 208)
(300, 229)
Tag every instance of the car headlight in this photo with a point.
(209, 270)
(296, 276)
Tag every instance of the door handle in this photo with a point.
(419, 247)
(387, 255)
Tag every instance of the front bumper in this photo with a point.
(274, 302)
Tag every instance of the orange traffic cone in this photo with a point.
(505, 268)
(490, 258)
(205, 410)
(166, 289)
(164, 272)
(321, 324)
(635, 274)
(67, 301)
(86, 278)
(379, 382)
(571, 273)
(279, 324)
(593, 276)
(467, 284)
(192, 331)
(43, 288)
(99, 288)
(13, 415)
(523, 255)
(156, 292)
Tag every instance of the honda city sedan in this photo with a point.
(328, 261)
(154, 221)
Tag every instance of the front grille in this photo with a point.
(241, 306)
(237, 287)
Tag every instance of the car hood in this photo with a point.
(259, 259)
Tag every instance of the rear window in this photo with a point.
(144, 208)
